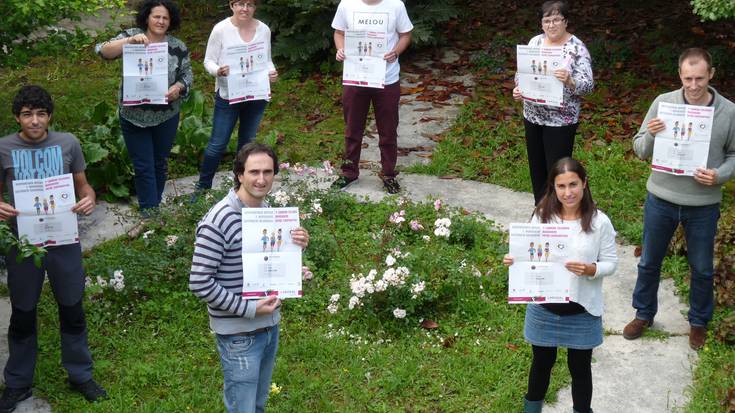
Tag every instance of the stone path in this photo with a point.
(642, 376)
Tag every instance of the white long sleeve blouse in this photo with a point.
(224, 35)
(597, 246)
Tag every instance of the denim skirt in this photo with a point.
(546, 329)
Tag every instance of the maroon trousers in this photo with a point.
(356, 104)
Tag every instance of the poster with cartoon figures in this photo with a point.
(44, 210)
(145, 74)
(539, 252)
(536, 79)
(271, 262)
(364, 64)
(248, 78)
(683, 146)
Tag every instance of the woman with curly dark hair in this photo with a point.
(150, 130)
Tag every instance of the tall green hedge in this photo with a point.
(303, 28)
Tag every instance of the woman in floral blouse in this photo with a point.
(550, 130)
(150, 130)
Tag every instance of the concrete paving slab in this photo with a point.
(33, 404)
(641, 376)
(618, 290)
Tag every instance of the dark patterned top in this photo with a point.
(580, 63)
(179, 70)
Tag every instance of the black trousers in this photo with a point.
(63, 264)
(545, 145)
(580, 366)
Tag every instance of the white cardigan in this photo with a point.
(596, 247)
(224, 35)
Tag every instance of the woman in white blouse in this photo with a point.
(240, 29)
(576, 325)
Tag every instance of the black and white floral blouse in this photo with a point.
(580, 63)
(179, 70)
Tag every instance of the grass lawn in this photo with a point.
(154, 351)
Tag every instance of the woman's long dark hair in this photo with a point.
(550, 207)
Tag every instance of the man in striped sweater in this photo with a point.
(247, 331)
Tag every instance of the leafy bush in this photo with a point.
(55, 44)
(9, 241)
(194, 129)
(725, 275)
(416, 261)
(23, 17)
(303, 28)
(609, 54)
(108, 168)
(714, 9)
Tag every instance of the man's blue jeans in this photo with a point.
(223, 122)
(247, 366)
(660, 219)
(149, 149)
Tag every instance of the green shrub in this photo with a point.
(416, 261)
(303, 34)
(108, 168)
(23, 17)
(714, 9)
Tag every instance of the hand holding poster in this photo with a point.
(683, 146)
(538, 274)
(271, 262)
(248, 78)
(145, 74)
(44, 210)
(536, 79)
(364, 63)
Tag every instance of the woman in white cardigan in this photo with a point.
(576, 325)
(240, 29)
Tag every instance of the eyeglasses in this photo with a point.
(552, 22)
(243, 5)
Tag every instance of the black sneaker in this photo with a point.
(11, 397)
(391, 186)
(342, 182)
(90, 390)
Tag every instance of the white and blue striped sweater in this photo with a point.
(216, 270)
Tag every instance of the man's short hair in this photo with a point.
(242, 157)
(695, 54)
(32, 97)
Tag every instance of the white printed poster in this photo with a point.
(271, 262)
(44, 210)
(683, 146)
(536, 79)
(248, 78)
(145, 74)
(364, 63)
(538, 274)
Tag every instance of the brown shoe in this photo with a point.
(635, 328)
(697, 337)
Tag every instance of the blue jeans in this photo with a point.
(660, 219)
(149, 149)
(247, 366)
(223, 122)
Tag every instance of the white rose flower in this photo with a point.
(399, 313)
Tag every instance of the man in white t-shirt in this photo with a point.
(390, 17)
